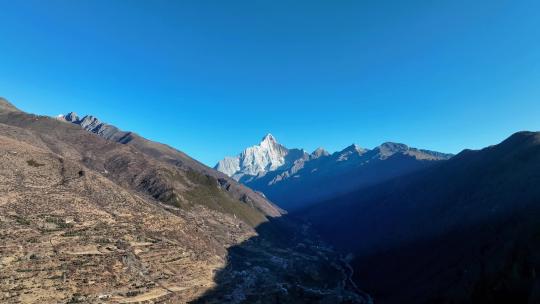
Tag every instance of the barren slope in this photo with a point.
(69, 233)
(85, 219)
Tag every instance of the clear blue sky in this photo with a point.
(212, 77)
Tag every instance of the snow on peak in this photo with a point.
(272, 162)
(268, 138)
(269, 142)
(256, 160)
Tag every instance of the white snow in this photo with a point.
(267, 156)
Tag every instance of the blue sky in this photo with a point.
(212, 77)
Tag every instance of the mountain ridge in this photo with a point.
(170, 155)
(465, 223)
(6, 105)
(296, 182)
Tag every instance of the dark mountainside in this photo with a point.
(295, 179)
(464, 231)
(341, 172)
(89, 219)
(267, 268)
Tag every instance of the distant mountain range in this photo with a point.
(294, 178)
(466, 230)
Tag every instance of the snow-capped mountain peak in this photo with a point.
(268, 138)
(295, 178)
(268, 155)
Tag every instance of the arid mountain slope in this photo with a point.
(85, 219)
(146, 166)
(70, 234)
(174, 157)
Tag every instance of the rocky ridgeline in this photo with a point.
(293, 178)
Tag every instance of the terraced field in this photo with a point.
(60, 243)
(84, 219)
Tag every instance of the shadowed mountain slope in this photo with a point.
(284, 264)
(463, 231)
(295, 179)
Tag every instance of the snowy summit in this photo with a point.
(256, 160)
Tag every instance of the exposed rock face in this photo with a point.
(258, 160)
(94, 125)
(352, 152)
(70, 117)
(295, 179)
(319, 152)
